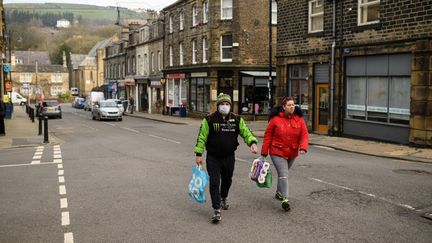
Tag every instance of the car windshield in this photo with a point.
(50, 103)
(108, 104)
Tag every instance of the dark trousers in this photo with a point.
(220, 171)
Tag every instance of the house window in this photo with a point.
(170, 56)
(159, 60)
(56, 90)
(274, 12)
(226, 48)
(152, 62)
(181, 53)
(316, 16)
(170, 24)
(194, 15)
(26, 78)
(205, 11)
(226, 9)
(194, 52)
(205, 50)
(181, 21)
(56, 78)
(145, 64)
(368, 11)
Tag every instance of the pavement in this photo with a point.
(21, 132)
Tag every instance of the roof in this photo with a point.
(41, 69)
(30, 57)
(100, 44)
(88, 61)
(77, 59)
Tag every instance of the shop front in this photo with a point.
(156, 94)
(176, 92)
(142, 100)
(199, 92)
(254, 92)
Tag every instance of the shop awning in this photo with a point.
(258, 73)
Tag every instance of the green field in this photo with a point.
(90, 12)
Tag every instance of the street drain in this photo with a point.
(412, 172)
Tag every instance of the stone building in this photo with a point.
(359, 68)
(218, 46)
(35, 77)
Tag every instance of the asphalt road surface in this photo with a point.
(126, 181)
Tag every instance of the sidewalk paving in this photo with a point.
(360, 146)
(21, 132)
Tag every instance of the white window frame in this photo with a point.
(152, 61)
(194, 51)
(205, 11)
(56, 78)
(225, 47)
(205, 49)
(194, 15)
(159, 60)
(171, 56)
(181, 17)
(170, 24)
(274, 12)
(54, 90)
(26, 78)
(366, 5)
(181, 54)
(310, 15)
(228, 6)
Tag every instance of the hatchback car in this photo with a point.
(50, 108)
(119, 104)
(106, 110)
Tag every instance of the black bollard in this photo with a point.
(40, 125)
(32, 115)
(46, 130)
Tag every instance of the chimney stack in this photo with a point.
(64, 60)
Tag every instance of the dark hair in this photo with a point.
(276, 110)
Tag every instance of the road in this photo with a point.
(127, 182)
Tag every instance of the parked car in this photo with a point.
(78, 103)
(87, 105)
(74, 91)
(106, 110)
(119, 104)
(50, 108)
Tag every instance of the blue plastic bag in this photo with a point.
(197, 184)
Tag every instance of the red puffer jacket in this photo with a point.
(285, 136)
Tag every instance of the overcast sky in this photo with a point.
(152, 4)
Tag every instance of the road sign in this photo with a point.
(37, 90)
(7, 68)
(8, 85)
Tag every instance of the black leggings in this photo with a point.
(220, 169)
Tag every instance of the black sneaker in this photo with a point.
(279, 196)
(216, 216)
(285, 204)
(224, 204)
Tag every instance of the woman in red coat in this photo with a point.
(286, 135)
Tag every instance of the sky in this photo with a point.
(133, 4)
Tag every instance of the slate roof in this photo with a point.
(41, 69)
(30, 57)
(77, 59)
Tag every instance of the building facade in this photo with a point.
(218, 46)
(359, 68)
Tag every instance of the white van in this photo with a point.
(18, 99)
(92, 98)
(74, 91)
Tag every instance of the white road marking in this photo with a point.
(57, 161)
(37, 157)
(165, 139)
(323, 147)
(68, 237)
(89, 127)
(57, 152)
(57, 156)
(18, 165)
(61, 179)
(59, 166)
(40, 147)
(56, 146)
(65, 218)
(62, 190)
(113, 125)
(63, 203)
(130, 129)
(35, 162)
(366, 194)
(61, 172)
(38, 153)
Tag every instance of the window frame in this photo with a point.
(205, 11)
(311, 16)
(181, 20)
(205, 49)
(194, 51)
(222, 47)
(360, 6)
(274, 12)
(226, 7)
(181, 54)
(194, 15)
(171, 56)
(170, 24)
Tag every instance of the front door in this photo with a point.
(321, 108)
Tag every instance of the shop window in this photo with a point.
(200, 95)
(254, 98)
(368, 11)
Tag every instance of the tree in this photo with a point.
(57, 56)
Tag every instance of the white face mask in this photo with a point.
(224, 109)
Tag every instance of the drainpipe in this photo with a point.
(332, 72)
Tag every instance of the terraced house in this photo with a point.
(359, 67)
(218, 46)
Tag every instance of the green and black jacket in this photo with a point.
(219, 135)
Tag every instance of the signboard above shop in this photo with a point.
(176, 75)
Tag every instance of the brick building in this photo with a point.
(218, 46)
(359, 68)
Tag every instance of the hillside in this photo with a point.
(87, 12)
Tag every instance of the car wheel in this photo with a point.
(120, 119)
(60, 117)
(93, 117)
(22, 103)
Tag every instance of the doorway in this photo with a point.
(321, 107)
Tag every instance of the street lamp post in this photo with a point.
(270, 82)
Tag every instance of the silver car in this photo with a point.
(119, 104)
(106, 110)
